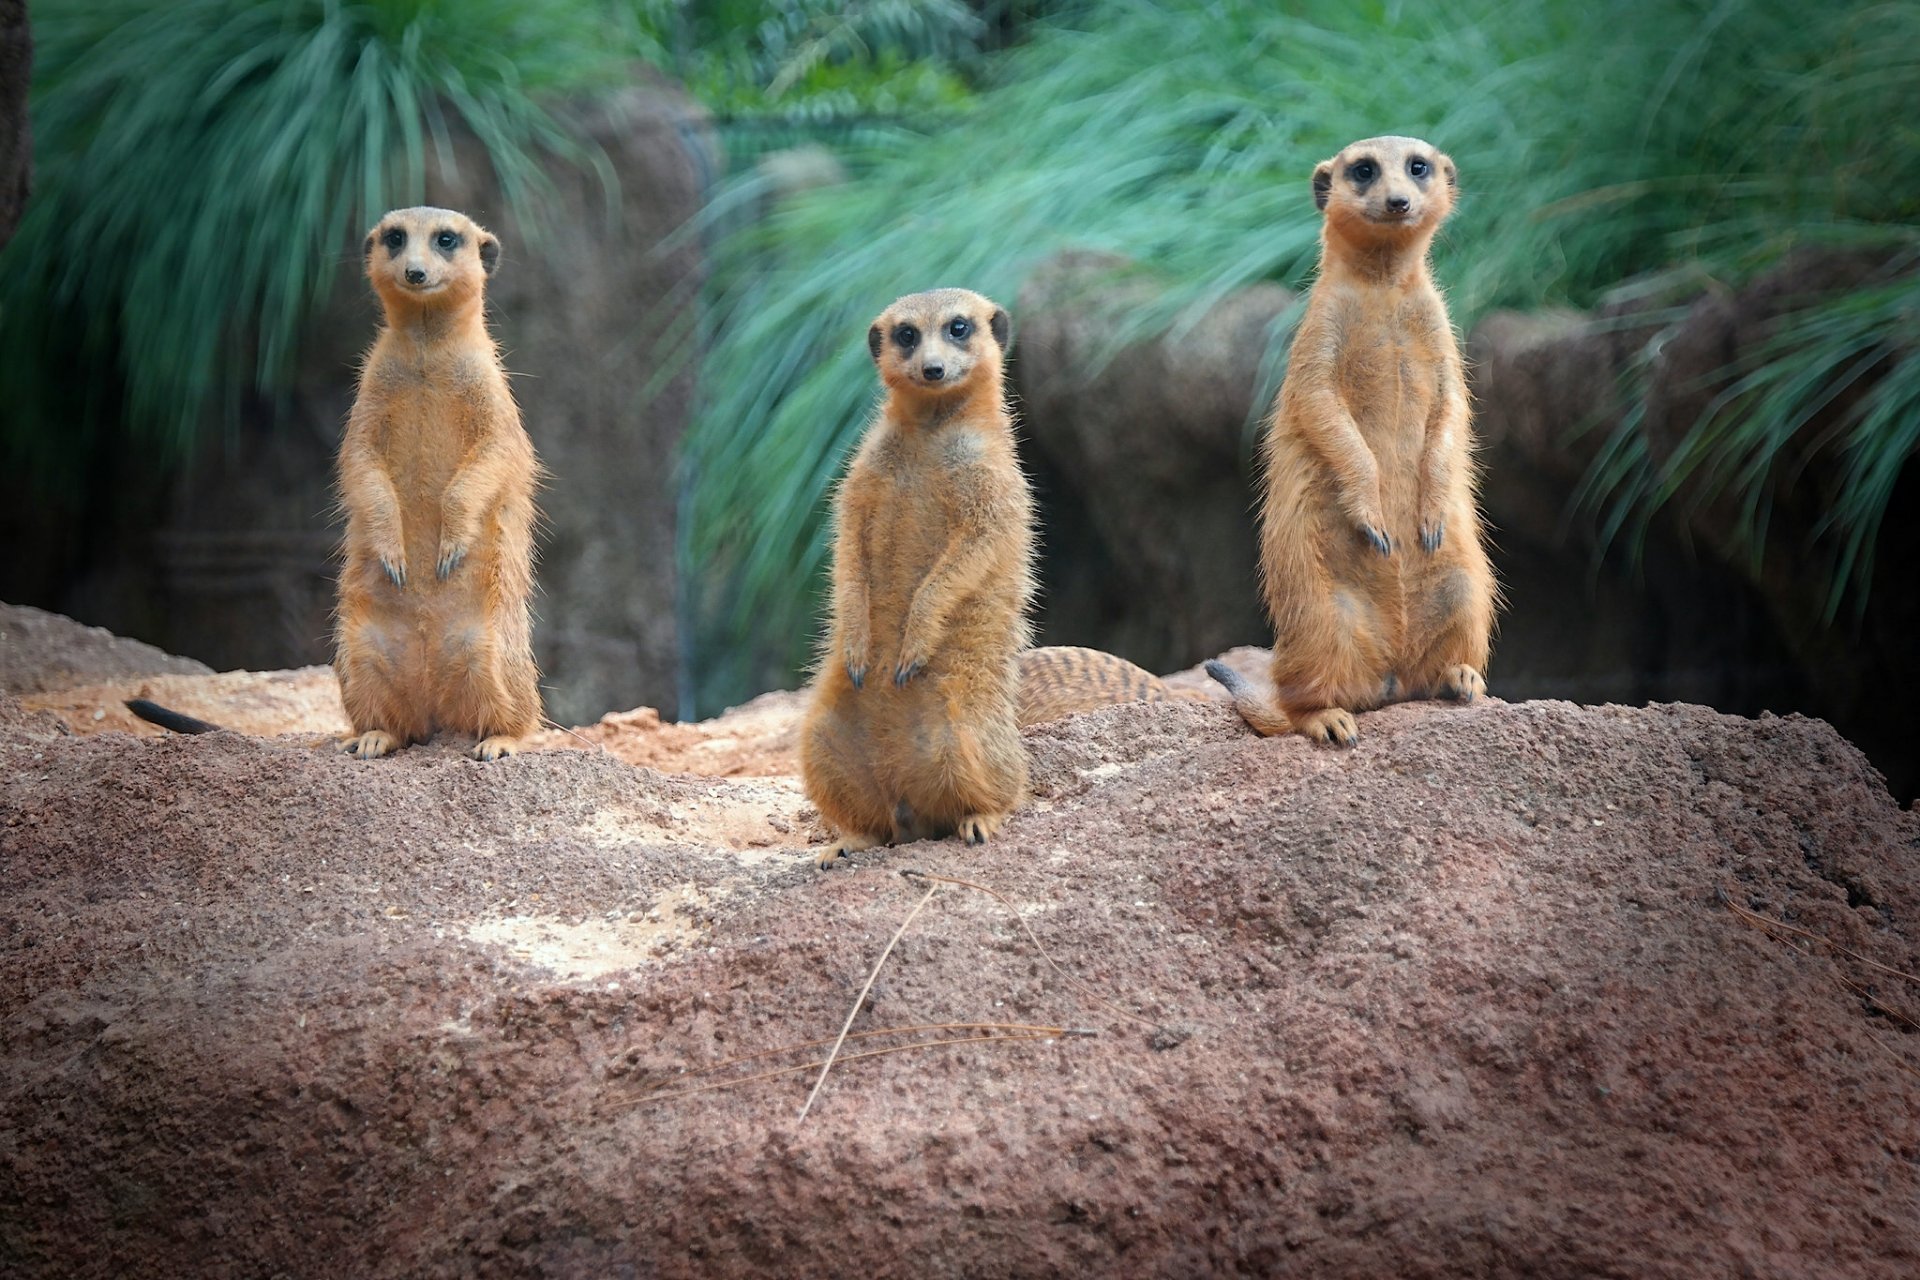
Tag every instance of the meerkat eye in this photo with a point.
(907, 337)
(958, 328)
(1363, 172)
(1417, 167)
(447, 240)
(395, 239)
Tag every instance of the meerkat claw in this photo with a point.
(1381, 542)
(396, 573)
(1430, 536)
(906, 672)
(858, 675)
(450, 559)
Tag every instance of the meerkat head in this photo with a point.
(1386, 189)
(429, 258)
(940, 343)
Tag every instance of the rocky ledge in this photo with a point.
(1505, 989)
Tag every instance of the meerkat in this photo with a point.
(434, 625)
(1375, 577)
(1059, 680)
(911, 729)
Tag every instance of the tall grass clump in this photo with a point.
(1595, 143)
(201, 166)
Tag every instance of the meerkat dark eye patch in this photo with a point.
(906, 337)
(447, 241)
(959, 328)
(395, 238)
(1362, 172)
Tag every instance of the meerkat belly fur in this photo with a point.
(1375, 576)
(911, 729)
(437, 476)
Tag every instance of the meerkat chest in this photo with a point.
(429, 411)
(924, 489)
(1388, 361)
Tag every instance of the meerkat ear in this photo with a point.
(1000, 326)
(1322, 184)
(875, 339)
(489, 253)
(366, 250)
(1453, 174)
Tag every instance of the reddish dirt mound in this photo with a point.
(305, 701)
(759, 739)
(1463, 1000)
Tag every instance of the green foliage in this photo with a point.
(772, 70)
(1595, 142)
(203, 163)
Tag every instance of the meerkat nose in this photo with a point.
(933, 372)
(1398, 204)
(416, 275)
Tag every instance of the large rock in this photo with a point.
(16, 129)
(1697, 615)
(43, 652)
(1140, 459)
(1472, 997)
(588, 301)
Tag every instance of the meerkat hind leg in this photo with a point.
(1328, 724)
(372, 744)
(831, 856)
(977, 828)
(1462, 683)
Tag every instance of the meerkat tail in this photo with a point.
(154, 713)
(1260, 717)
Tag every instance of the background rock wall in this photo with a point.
(16, 131)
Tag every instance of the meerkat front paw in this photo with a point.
(1462, 683)
(976, 828)
(372, 744)
(1377, 538)
(497, 747)
(831, 856)
(1432, 532)
(858, 657)
(451, 554)
(394, 565)
(1330, 724)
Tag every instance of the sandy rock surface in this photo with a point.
(1470, 998)
(42, 652)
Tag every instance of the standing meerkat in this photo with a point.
(1370, 553)
(434, 627)
(910, 732)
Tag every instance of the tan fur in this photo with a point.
(1060, 680)
(911, 732)
(1375, 577)
(434, 629)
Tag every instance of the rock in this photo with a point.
(16, 128)
(1140, 461)
(43, 652)
(587, 302)
(1471, 996)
